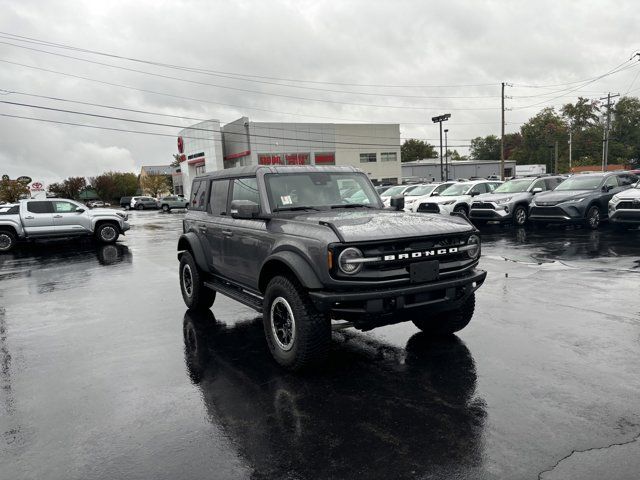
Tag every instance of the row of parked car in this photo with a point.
(587, 199)
(149, 203)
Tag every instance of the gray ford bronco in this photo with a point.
(298, 245)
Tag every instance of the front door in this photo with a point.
(38, 219)
(67, 221)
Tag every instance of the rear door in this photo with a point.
(216, 223)
(67, 221)
(38, 218)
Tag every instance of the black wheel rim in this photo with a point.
(187, 280)
(594, 218)
(5, 241)
(282, 324)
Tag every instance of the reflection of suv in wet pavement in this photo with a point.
(580, 199)
(624, 207)
(283, 241)
(510, 201)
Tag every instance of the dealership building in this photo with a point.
(208, 146)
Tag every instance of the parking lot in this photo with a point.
(104, 374)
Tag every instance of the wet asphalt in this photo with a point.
(105, 375)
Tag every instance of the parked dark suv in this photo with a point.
(580, 199)
(284, 241)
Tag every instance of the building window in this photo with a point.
(390, 181)
(268, 159)
(325, 158)
(388, 157)
(199, 169)
(368, 158)
(297, 158)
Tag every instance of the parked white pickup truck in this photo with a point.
(57, 217)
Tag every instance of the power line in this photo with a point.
(232, 74)
(245, 90)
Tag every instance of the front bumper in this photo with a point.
(497, 214)
(561, 213)
(125, 226)
(631, 216)
(439, 295)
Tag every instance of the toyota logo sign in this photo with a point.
(180, 145)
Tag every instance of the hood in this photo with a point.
(455, 198)
(630, 193)
(102, 211)
(494, 197)
(368, 225)
(562, 196)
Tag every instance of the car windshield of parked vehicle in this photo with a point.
(514, 186)
(421, 190)
(457, 189)
(580, 183)
(393, 191)
(319, 190)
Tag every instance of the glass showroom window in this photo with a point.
(389, 157)
(367, 157)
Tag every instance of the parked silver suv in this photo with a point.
(510, 201)
(173, 201)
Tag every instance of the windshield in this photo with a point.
(319, 190)
(457, 189)
(580, 183)
(421, 190)
(397, 190)
(514, 186)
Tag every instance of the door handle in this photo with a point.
(227, 233)
(28, 218)
(57, 216)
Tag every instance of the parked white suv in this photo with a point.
(457, 198)
(423, 193)
(395, 191)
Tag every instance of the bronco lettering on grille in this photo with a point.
(424, 253)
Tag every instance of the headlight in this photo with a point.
(120, 214)
(473, 246)
(346, 261)
(574, 200)
(504, 200)
(448, 202)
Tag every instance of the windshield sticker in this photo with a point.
(286, 200)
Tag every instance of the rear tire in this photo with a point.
(447, 323)
(520, 216)
(194, 293)
(107, 233)
(298, 335)
(7, 240)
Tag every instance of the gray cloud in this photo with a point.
(394, 42)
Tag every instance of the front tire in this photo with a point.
(165, 208)
(140, 207)
(298, 335)
(462, 209)
(593, 217)
(195, 294)
(7, 241)
(447, 323)
(107, 233)
(520, 216)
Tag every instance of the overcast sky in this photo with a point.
(413, 44)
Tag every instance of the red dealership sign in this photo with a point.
(180, 145)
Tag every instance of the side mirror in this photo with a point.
(244, 209)
(435, 194)
(606, 188)
(536, 190)
(80, 210)
(397, 202)
(474, 194)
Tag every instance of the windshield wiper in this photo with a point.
(352, 205)
(293, 209)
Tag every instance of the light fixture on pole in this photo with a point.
(439, 119)
(446, 154)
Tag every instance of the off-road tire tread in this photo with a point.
(447, 323)
(314, 327)
(203, 297)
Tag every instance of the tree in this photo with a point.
(539, 136)
(69, 188)
(512, 142)
(485, 148)
(455, 155)
(581, 115)
(11, 190)
(154, 185)
(176, 161)
(413, 150)
(113, 185)
(624, 144)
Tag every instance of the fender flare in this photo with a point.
(303, 271)
(189, 242)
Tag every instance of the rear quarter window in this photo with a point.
(9, 210)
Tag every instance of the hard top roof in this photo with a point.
(252, 170)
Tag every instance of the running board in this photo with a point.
(236, 293)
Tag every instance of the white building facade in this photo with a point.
(200, 151)
(374, 148)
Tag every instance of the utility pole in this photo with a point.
(439, 119)
(446, 154)
(570, 146)
(502, 138)
(605, 148)
(555, 171)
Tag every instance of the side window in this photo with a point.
(480, 188)
(64, 207)
(492, 186)
(39, 207)
(219, 194)
(612, 181)
(540, 184)
(627, 179)
(198, 190)
(246, 189)
(552, 183)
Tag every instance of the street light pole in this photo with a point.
(439, 119)
(446, 154)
